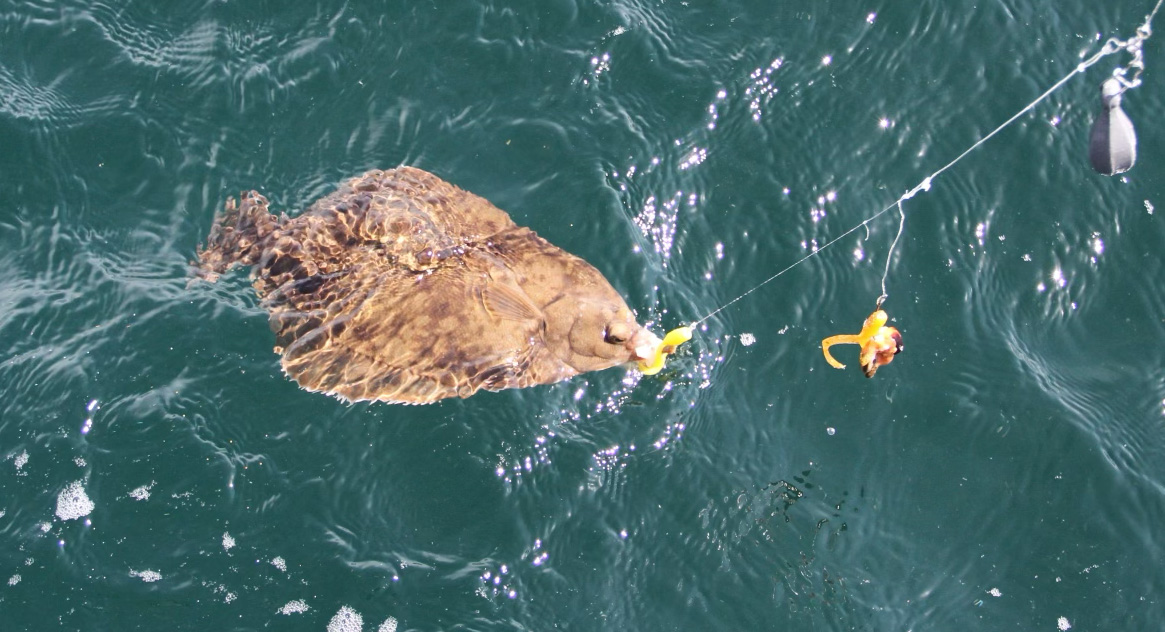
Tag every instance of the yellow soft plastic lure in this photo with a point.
(879, 343)
(673, 339)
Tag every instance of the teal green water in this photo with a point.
(1006, 472)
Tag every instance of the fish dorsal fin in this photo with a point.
(508, 302)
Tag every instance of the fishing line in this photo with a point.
(1111, 46)
(890, 253)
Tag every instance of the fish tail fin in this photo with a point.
(237, 235)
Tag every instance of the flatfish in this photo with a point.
(400, 287)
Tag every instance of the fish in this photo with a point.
(400, 287)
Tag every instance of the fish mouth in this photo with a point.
(644, 345)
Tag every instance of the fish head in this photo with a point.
(589, 333)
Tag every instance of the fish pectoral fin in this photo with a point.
(508, 302)
(840, 339)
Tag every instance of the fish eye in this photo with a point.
(617, 333)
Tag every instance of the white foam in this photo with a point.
(73, 503)
(389, 625)
(747, 339)
(20, 460)
(228, 542)
(294, 607)
(1063, 624)
(147, 576)
(141, 493)
(15, 579)
(280, 563)
(346, 620)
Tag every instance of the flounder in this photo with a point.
(400, 287)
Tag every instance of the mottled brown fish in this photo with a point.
(400, 287)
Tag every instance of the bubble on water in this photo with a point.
(143, 492)
(14, 580)
(995, 592)
(79, 461)
(73, 503)
(389, 625)
(45, 527)
(147, 576)
(20, 460)
(228, 542)
(280, 563)
(831, 431)
(747, 339)
(346, 620)
(294, 607)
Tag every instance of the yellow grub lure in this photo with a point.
(879, 343)
(673, 339)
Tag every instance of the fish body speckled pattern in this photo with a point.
(400, 287)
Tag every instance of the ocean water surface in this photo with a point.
(1006, 472)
